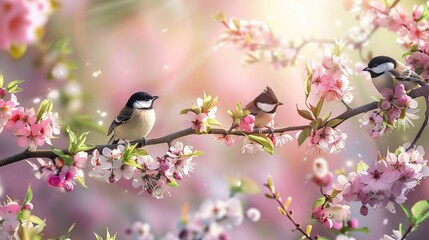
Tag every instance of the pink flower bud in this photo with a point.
(336, 225)
(247, 123)
(3, 92)
(364, 210)
(28, 206)
(253, 214)
(328, 223)
(385, 105)
(177, 176)
(353, 223)
(55, 181)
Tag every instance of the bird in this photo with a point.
(386, 72)
(263, 107)
(135, 120)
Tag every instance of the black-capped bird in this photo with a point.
(135, 120)
(264, 107)
(386, 72)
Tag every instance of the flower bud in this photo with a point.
(337, 225)
(353, 223)
(364, 210)
(28, 206)
(3, 92)
(328, 223)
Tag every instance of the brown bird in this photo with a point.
(264, 107)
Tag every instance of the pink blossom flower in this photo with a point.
(227, 139)
(30, 137)
(328, 139)
(251, 146)
(6, 109)
(64, 179)
(247, 123)
(22, 21)
(374, 124)
(45, 169)
(9, 220)
(198, 121)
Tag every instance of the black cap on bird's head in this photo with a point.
(375, 62)
(140, 97)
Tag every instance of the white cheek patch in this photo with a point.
(266, 107)
(142, 104)
(383, 67)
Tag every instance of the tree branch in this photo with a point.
(167, 139)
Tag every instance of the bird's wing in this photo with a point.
(408, 75)
(122, 117)
(252, 108)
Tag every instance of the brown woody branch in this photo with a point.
(167, 139)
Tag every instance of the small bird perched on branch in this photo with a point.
(386, 72)
(135, 120)
(264, 107)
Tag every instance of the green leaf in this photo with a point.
(72, 139)
(214, 122)
(265, 142)
(304, 113)
(97, 237)
(305, 133)
(361, 229)
(28, 196)
(36, 220)
(1, 80)
(319, 202)
(13, 87)
(318, 108)
(17, 51)
(172, 183)
(407, 212)
(307, 81)
(198, 153)
(67, 234)
(45, 107)
(81, 181)
(361, 166)
(419, 209)
(334, 122)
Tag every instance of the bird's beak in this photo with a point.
(279, 103)
(365, 69)
(155, 97)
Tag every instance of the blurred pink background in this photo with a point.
(165, 47)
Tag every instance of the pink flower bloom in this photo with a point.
(80, 160)
(247, 123)
(21, 21)
(227, 139)
(64, 179)
(328, 139)
(380, 177)
(373, 123)
(30, 137)
(6, 109)
(198, 122)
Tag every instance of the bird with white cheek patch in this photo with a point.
(386, 72)
(135, 120)
(264, 107)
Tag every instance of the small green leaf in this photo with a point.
(214, 122)
(361, 166)
(419, 209)
(28, 196)
(81, 181)
(67, 234)
(17, 51)
(334, 122)
(13, 87)
(172, 183)
(307, 81)
(318, 202)
(318, 108)
(36, 220)
(305, 133)
(361, 229)
(45, 107)
(304, 113)
(265, 142)
(1, 80)
(406, 211)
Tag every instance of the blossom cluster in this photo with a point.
(22, 22)
(396, 108)
(328, 139)
(411, 28)
(257, 39)
(59, 174)
(212, 221)
(202, 116)
(331, 77)
(418, 60)
(153, 176)
(386, 182)
(31, 129)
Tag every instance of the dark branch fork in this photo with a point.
(168, 139)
